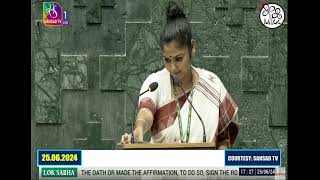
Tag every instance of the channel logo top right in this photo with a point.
(271, 15)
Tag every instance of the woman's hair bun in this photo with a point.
(175, 10)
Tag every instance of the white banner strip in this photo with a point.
(152, 158)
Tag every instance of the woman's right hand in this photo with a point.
(125, 139)
(138, 136)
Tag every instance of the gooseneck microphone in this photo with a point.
(152, 87)
(178, 83)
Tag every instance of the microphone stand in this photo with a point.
(133, 122)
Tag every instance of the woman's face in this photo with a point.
(177, 60)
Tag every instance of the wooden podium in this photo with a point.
(161, 146)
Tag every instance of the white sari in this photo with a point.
(210, 98)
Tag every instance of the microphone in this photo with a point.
(152, 87)
(178, 83)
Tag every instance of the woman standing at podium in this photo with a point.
(166, 112)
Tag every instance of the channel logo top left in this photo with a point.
(53, 14)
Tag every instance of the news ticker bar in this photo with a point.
(162, 173)
(159, 158)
